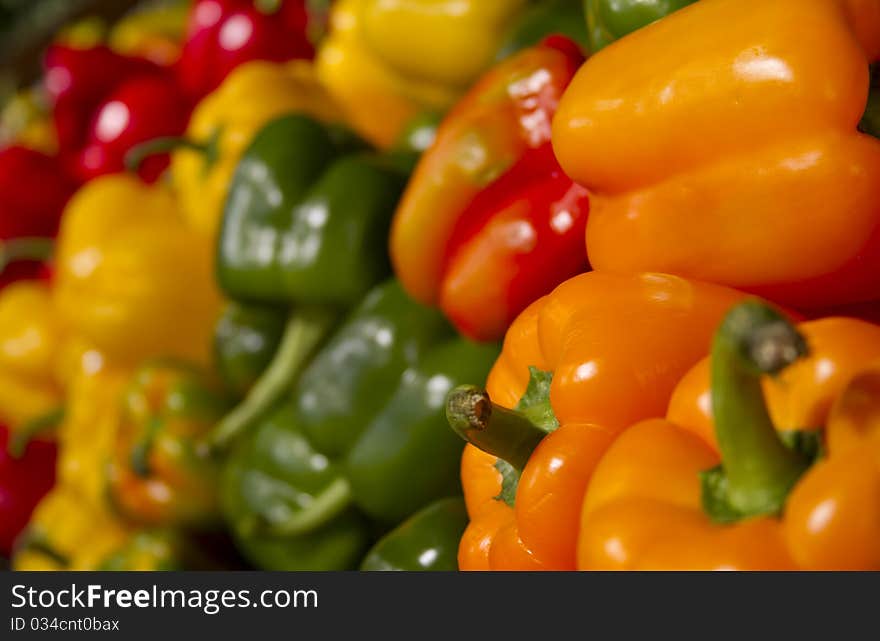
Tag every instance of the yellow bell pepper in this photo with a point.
(67, 533)
(29, 339)
(387, 60)
(153, 32)
(25, 121)
(132, 278)
(224, 122)
(87, 435)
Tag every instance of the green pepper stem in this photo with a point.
(327, 505)
(135, 156)
(19, 440)
(496, 430)
(305, 330)
(31, 248)
(142, 449)
(753, 340)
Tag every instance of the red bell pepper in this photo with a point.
(79, 80)
(33, 191)
(223, 34)
(489, 222)
(24, 480)
(141, 109)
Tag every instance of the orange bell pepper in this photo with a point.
(800, 397)
(764, 507)
(721, 144)
(616, 346)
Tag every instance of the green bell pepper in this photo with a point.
(305, 230)
(550, 17)
(361, 444)
(610, 20)
(427, 541)
(245, 341)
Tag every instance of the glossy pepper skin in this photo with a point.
(223, 34)
(675, 192)
(34, 187)
(24, 479)
(601, 351)
(489, 222)
(363, 438)
(29, 347)
(324, 205)
(425, 542)
(161, 472)
(777, 509)
(137, 110)
(129, 266)
(610, 20)
(79, 80)
(245, 341)
(383, 76)
(799, 398)
(224, 123)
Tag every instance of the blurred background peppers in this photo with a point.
(161, 472)
(609, 20)
(677, 193)
(489, 222)
(128, 265)
(385, 62)
(104, 103)
(223, 125)
(34, 188)
(303, 230)
(360, 446)
(222, 34)
(25, 477)
(31, 384)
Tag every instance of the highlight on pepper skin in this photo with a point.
(420, 285)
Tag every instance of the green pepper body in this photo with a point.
(245, 341)
(547, 18)
(609, 20)
(305, 230)
(361, 444)
(427, 541)
(307, 217)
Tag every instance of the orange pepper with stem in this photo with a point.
(721, 143)
(654, 495)
(799, 398)
(656, 502)
(616, 346)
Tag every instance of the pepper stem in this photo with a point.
(142, 449)
(30, 248)
(20, 438)
(753, 340)
(506, 434)
(165, 144)
(326, 506)
(305, 330)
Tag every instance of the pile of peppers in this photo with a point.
(529, 285)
